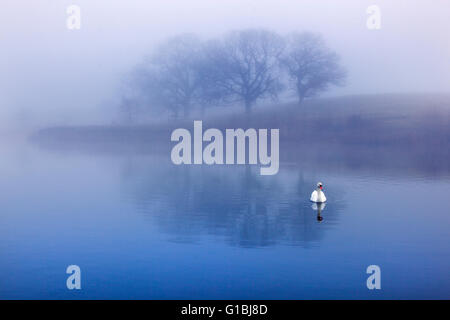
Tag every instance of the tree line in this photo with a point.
(242, 67)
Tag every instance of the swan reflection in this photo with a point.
(319, 207)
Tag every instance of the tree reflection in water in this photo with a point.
(233, 204)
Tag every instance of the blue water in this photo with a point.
(141, 228)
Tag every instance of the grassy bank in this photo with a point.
(368, 120)
(388, 133)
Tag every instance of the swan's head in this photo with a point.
(320, 185)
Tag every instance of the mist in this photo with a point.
(172, 149)
(55, 76)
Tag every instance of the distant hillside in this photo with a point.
(393, 134)
(363, 119)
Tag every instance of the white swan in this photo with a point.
(318, 195)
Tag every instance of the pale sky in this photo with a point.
(53, 75)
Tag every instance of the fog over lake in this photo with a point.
(52, 75)
(87, 177)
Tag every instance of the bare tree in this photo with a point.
(310, 65)
(243, 67)
(171, 77)
(209, 92)
(130, 109)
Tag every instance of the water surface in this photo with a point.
(140, 227)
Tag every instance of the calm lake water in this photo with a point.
(140, 227)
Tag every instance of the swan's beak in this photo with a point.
(321, 187)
